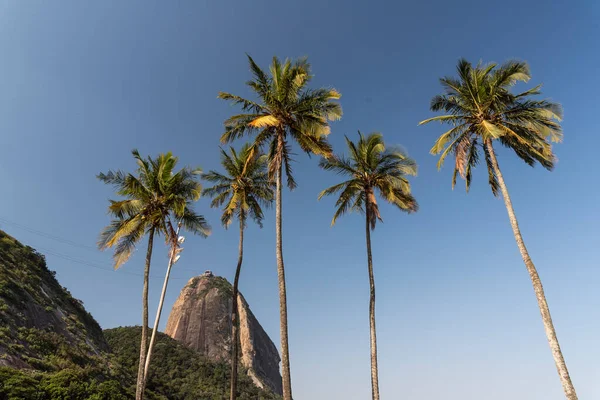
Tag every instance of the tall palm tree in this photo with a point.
(153, 197)
(482, 110)
(242, 190)
(286, 110)
(370, 168)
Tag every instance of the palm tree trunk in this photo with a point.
(140, 385)
(559, 360)
(160, 306)
(373, 334)
(285, 354)
(235, 317)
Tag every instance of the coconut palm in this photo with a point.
(285, 111)
(371, 168)
(241, 191)
(482, 110)
(153, 197)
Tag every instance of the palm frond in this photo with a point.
(195, 223)
(284, 106)
(492, 179)
(125, 209)
(370, 166)
(151, 198)
(481, 107)
(245, 187)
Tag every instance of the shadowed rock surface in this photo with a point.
(201, 319)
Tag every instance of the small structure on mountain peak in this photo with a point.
(208, 273)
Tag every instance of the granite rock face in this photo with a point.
(201, 319)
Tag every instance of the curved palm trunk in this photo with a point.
(285, 354)
(559, 360)
(159, 310)
(140, 384)
(373, 333)
(235, 317)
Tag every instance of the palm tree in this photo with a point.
(482, 110)
(152, 198)
(242, 191)
(371, 167)
(286, 110)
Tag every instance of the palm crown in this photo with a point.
(482, 109)
(371, 166)
(153, 197)
(245, 187)
(285, 106)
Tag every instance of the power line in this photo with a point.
(93, 265)
(46, 235)
(65, 241)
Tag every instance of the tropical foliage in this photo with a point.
(372, 169)
(244, 188)
(243, 191)
(68, 354)
(32, 329)
(180, 372)
(154, 199)
(482, 110)
(285, 111)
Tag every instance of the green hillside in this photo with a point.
(178, 372)
(51, 348)
(41, 325)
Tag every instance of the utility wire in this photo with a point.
(46, 235)
(69, 242)
(92, 265)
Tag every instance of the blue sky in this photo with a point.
(83, 83)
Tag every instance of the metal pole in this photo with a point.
(162, 299)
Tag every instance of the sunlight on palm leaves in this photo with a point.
(154, 197)
(482, 108)
(244, 188)
(285, 108)
(371, 167)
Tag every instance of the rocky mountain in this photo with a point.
(38, 317)
(201, 319)
(51, 348)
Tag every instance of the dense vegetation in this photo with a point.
(152, 200)
(41, 325)
(179, 372)
(68, 357)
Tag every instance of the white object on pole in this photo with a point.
(176, 258)
(181, 239)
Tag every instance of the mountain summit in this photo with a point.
(201, 319)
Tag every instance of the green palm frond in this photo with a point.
(284, 108)
(125, 208)
(370, 166)
(195, 223)
(153, 197)
(481, 109)
(244, 188)
(126, 245)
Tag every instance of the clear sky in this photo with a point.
(82, 83)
